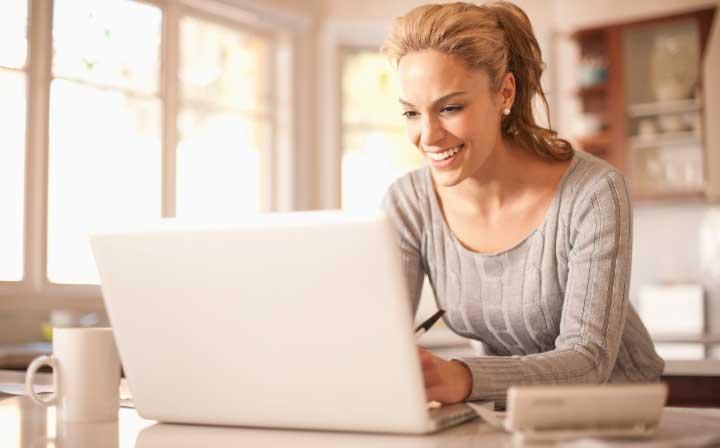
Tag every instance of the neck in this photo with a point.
(503, 177)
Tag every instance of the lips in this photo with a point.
(442, 159)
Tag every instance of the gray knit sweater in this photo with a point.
(552, 309)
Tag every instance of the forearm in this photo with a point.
(493, 375)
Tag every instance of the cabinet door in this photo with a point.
(711, 99)
(661, 63)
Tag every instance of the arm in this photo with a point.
(401, 207)
(595, 303)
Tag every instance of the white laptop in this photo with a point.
(293, 320)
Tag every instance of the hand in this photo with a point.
(445, 381)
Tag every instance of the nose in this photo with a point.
(432, 131)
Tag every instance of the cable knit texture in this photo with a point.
(553, 308)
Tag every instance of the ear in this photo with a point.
(506, 94)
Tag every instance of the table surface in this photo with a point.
(24, 425)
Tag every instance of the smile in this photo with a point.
(439, 156)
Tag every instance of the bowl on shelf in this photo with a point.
(671, 123)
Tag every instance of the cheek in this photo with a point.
(412, 130)
(483, 127)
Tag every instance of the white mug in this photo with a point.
(86, 375)
(87, 435)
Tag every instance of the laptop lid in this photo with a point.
(283, 320)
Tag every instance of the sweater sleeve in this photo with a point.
(400, 203)
(595, 301)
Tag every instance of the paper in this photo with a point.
(491, 417)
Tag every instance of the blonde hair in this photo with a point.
(496, 37)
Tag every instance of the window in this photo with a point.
(151, 109)
(376, 150)
(13, 79)
(224, 123)
(105, 135)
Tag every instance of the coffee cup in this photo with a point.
(86, 375)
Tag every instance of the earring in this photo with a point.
(506, 111)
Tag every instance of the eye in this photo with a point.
(409, 114)
(452, 109)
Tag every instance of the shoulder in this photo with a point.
(591, 176)
(408, 192)
(596, 192)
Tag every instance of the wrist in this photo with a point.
(464, 379)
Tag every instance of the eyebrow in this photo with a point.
(439, 100)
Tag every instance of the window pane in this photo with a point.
(219, 163)
(113, 42)
(375, 148)
(12, 174)
(13, 35)
(372, 160)
(370, 91)
(225, 67)
(104, 167)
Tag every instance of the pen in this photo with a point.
(425, 326)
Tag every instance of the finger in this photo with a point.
(435, 393)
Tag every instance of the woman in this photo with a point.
(527, 243)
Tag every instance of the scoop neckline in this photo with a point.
(446, 227)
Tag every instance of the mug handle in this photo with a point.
(30, 380)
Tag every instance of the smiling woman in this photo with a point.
(526, 243)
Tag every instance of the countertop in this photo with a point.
(25, 425)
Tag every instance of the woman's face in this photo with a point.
(452, 116)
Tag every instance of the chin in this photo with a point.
(445, 178)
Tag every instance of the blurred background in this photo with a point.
(122, 110)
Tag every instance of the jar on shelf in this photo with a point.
(592, 71)
(674, 64)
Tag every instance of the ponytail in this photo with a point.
(526, 64)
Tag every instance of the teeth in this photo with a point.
(445, 154)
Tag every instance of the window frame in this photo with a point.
(337, 38)
(35, 290)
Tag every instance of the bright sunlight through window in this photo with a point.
(13, 54)
(376, 150)
(105, 134)
(225, 122)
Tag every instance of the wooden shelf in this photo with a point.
(596, 89)
(600, 140)
(665, 139)
(663, 107)
(669, 196)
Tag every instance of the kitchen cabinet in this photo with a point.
(642, 88)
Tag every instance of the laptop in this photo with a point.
(286, 320)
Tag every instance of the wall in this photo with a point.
(570, 14)
(675, 243)
(538, 11)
